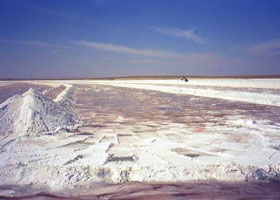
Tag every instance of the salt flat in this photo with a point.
(152, 131)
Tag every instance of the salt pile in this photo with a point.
(32, 113)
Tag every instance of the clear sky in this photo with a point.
(99, 38)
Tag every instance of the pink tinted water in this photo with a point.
(209, 190)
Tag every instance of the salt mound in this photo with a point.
(32, 113)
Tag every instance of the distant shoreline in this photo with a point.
(146, 77)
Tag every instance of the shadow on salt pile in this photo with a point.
(32, 113)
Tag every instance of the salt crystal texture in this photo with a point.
(32, 113)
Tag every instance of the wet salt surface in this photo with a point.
(146, 105)
(135, 114)
(144, 113)
(202, 190)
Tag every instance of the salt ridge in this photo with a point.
(32, 113)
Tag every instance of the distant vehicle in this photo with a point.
(184, 79)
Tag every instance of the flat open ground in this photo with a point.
(150, 131)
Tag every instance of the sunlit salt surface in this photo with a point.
(136, 135)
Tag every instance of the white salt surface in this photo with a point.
(32, 113)
(63, 94)
(180, 87)
(222, 82)
(124, 149)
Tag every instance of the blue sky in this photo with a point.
(100, 38)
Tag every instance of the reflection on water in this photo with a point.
(210, 190)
